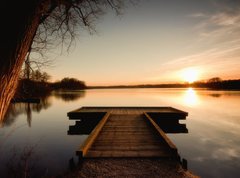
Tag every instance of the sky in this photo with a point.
(157, 41)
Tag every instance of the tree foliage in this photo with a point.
(70, 84)
(214, 80)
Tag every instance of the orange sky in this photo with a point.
(155, 42)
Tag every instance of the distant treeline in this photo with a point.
(213, 83)
(217, 83)
(28, 88)
(140, 86)
(38, 85)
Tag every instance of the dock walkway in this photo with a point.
(127, 132)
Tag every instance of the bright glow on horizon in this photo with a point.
(190, 75)
(153, 43)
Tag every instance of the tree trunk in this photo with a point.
(20, 20)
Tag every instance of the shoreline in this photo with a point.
(129, 167)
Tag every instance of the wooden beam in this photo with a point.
(81, 152)
(160, 131)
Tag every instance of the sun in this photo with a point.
(190, 75)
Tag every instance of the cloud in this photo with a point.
(219, 48)
(219, 61)
(225, 19)
(219, 26)
(198, 15)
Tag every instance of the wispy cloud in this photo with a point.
(198, 15)
(220, 26)
(220, 61)
(219, 54)
(225, 19)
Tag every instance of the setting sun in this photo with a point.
(190, 75)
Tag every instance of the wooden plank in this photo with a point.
(127, 132)
(168, 141)
(127, 148)
(89, 141)
(128, 144)
(123, 153)
(128, 110)
(86, 114)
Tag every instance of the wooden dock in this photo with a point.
(128, 132)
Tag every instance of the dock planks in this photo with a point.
(127, 110)
(127, 132)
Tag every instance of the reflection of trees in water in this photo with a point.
(215, 95)
(15, 109)
(229, 93)
(44, 104)
(69, 95)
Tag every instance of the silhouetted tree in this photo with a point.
(214, 80)
(39, 76)
(70, 84)
(34, 85)
(23, 22)
(31, 65)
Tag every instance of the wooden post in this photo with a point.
(184, 164)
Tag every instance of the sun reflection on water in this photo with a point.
(190, 97)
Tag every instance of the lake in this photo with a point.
(39, 132)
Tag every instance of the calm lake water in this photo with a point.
(211, 146)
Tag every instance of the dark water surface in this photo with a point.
(38, 133)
